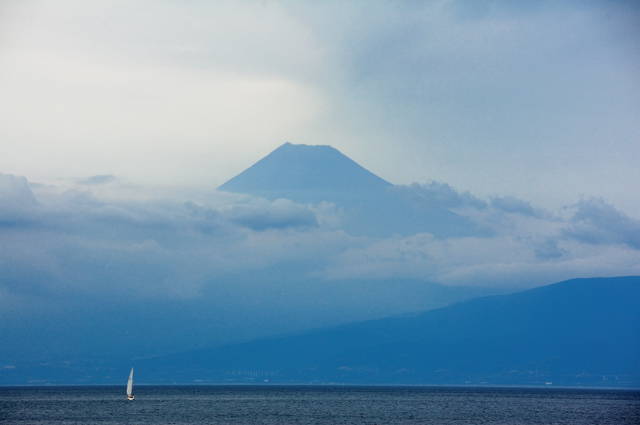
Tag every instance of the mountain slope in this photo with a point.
(92, 338)
(578, 332)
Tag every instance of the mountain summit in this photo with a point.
(306, 174)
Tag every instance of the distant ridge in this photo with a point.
(581, 332)
(306, 174)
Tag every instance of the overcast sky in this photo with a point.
(537, 100)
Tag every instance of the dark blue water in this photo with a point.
(315, 405)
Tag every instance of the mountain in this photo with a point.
(369, 204)
(582, 332)
(306, 174)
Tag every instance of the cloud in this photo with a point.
(510, 204)
(596, 222)
(548, 249)
(14, 190)
(516, 260)
(16, 201)
(280, 214)
(440, 195)
(75, 241)
(96, 180)
(520, 245)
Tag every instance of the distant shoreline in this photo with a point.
(333, 385)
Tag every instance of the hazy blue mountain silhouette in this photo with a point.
(577, 332)
(306, 174)
(313, 174)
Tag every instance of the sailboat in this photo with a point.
(130, 386)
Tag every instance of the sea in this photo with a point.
(316, 405)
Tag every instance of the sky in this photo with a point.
(539, 100)
(119, 119)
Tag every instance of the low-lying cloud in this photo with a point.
(597, 222)
(510, 204)
(98, 179)
(441, 195)
(73, 240)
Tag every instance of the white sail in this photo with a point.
(130, 383)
